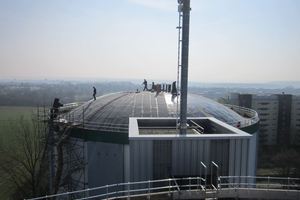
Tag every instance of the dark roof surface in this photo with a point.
(116, 108)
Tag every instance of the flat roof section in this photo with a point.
(201, 127)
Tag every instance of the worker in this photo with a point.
(153, 87)
(145, 85)
(55, 107)
(174, 89)
(94, 93)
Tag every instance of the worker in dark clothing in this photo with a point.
(94, 93)
(153, 87)
(174, 89)
(145, 85)
(55, 107)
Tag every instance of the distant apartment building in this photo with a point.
(279, 116)
(295, 120)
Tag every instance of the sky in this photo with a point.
(230, 40)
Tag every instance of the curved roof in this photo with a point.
(115, 109)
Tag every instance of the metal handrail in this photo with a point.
(176, 184)
(122, 128)
(69, 118)
(285, 183)
(202, 165)
(242, 110)
(261, 177)
(253, 115)
(142, 186)
(69, 106)
(213, 164)
(104, 124)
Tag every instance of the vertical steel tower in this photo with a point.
(184, 6)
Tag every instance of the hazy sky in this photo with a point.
(230, 40)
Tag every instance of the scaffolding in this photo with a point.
(66, 155)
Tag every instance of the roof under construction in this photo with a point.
(115, 109)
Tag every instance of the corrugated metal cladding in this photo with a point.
(105, 163)
(155, 159)
(141, 160)
(162, 158)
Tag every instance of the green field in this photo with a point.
(15, 112)
(10, 117)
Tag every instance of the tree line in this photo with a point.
(40, 94)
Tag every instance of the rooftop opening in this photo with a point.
(167, 126)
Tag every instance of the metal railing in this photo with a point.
(177, 185)
(80, 121)
(133, 189)
(250, 116)
(69, 106)
(105, 127)
(283, 183)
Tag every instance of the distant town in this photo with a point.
(42, 92)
